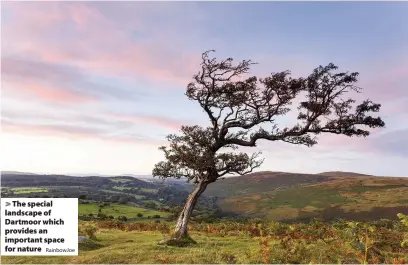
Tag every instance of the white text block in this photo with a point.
(39, 226)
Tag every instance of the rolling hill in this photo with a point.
(283, 196)
(279, 196)
(118, 189)
(343, 174)
(263, 181)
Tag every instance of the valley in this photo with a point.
(274, 196)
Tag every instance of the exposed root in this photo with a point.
(184, 241)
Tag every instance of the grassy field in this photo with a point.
(119, 180)
(25, 190)
(118, 210)
(122, 188)
(116, 247)
(229, 243)
(148, 190)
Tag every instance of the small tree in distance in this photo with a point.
(243, 112)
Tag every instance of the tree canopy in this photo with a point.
(243, 110)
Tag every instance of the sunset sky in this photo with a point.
(95, 87)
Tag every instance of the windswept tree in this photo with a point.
(243, 110)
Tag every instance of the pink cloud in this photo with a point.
(53, 93)
(164, 122)
(31, 14)
(73, 133)
(95, 43)
(43, 81)
(47, 92)
(45, 130)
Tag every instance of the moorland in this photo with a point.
(262, 217)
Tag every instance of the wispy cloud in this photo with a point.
(77, 132)
(142, 119)
(57, 82)
(116, 72)
(73, 124)
(93, 43)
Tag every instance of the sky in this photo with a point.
(94, 87)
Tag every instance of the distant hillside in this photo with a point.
(280, 196)
(35, 180)
(16, 173)
(291, 196)
(263, 181)
(343, 174)
(118, 189)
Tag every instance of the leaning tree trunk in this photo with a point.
(181, 227)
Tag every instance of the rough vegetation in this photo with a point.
(229, 242)
(249, 235)
(277, 196)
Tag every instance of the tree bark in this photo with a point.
(181, 230)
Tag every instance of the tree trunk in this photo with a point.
(181, 227)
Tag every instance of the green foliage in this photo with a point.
(88, 228)
(404, 220)
(102, 215)
(122, 218)
(363, 237)
(151, 205)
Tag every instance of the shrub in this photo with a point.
(404, 220)
(89, 229)
(102, 215)
(122, 218)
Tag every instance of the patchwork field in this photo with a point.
(25, 190)
(116, 210)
